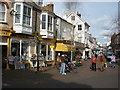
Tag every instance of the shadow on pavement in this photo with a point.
(30, 79)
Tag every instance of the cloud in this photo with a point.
(105, 33)
(99, 20)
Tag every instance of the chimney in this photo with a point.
(49, 7)
(79, 14)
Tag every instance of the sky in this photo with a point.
(99, 15)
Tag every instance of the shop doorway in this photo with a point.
(3, 51)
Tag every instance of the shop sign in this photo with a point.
(4, 33)
(52, 46)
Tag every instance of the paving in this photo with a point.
(50, 78)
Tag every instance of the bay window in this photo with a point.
(26, 15)
(17, 15)
(47, 22)
(43, 21)
(2, 12)
(23, 14)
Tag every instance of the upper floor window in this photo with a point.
(79, 27)
(72, 17)
(49, 22)
(17, 15)
(79, 39)
(2, 12)
(43, 21)
(23, 14)
(26, 15)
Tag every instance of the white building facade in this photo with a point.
(80, 30)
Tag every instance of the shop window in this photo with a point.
(43, 50)
(2, 12)
(15, 49)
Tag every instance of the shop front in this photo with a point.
(21, 50)
(47, 50)
(65, 49)
(4, 45)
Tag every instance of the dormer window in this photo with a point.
(2, 12)
(72, 18)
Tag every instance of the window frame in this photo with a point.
(21, 14)
(46, 22)
(30, 21)
(79, 39)
(5, 13)
(17, 14)
(79, 28)
(72, 18)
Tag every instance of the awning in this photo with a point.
(64, 47)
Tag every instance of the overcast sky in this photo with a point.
(99, 15)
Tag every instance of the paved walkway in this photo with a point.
(83, 78)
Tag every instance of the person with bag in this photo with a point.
(93, 63)
(102, 60)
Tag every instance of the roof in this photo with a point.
(79, 18)
(63, 19)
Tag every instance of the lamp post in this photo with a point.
(37, 40)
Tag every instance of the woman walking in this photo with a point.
(93, 62)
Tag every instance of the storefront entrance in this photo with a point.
(3, 49)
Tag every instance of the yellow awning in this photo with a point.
(64, 47)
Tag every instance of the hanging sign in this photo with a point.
(4, 33)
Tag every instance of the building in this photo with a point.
(65, 37)
(27, 28)
(80, 30)
(115, 44)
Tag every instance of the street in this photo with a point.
(83, 78)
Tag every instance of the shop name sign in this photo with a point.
(4, 33)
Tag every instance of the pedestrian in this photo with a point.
(62, 68)
(102, 60)
(113, 60)
(93, 62)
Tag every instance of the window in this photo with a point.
(72, 17)
(79, 27)
(26, 15)
(26, 20)
(17, 15)
(43, 21)
(49, 22)
(79, 39)
(2, 11)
